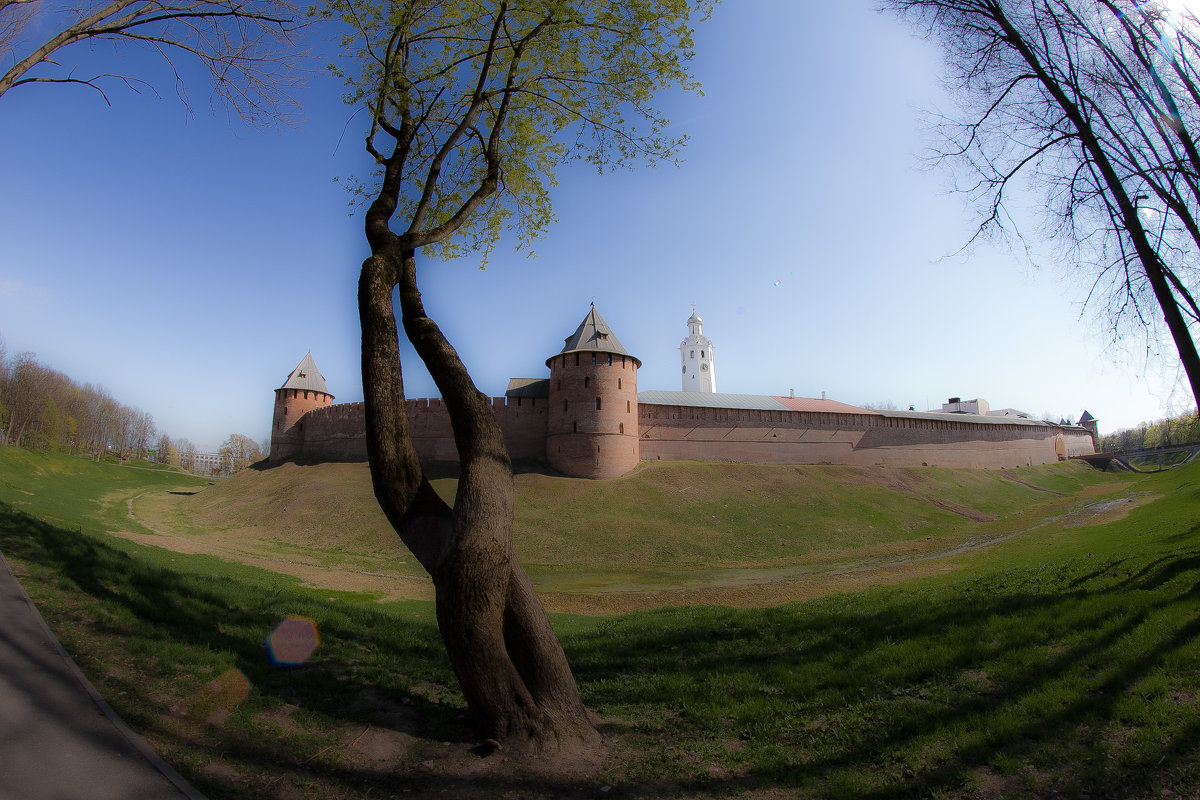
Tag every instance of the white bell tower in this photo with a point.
(696, 355)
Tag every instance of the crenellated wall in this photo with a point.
(338, 433)
(671, 433)
(675, 433)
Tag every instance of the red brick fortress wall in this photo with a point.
(579, 439)
(338, 433)
(673, 433)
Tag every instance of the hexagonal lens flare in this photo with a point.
(293, 641)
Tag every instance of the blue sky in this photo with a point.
(187, 264)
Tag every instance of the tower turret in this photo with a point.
(1092, 426)
(696, 355)
(592, 428)
(303, 391)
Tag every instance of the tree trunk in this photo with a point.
(509, 664)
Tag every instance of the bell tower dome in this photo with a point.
(696, 355)
(592, 423)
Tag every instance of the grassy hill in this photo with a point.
(668, 533)
(1061, 660)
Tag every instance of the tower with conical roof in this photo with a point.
(696, 354)
(303, 391)
(592, 424)
(1092, 426)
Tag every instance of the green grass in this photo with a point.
(1064, 661)
(667, 525)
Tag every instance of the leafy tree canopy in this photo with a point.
(476, 94)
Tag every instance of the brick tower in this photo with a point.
(1092, 426)
(303, 391)
(592, 427)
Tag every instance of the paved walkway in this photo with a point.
(59, 740)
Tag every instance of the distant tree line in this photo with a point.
(1183, 429)
(43, 409)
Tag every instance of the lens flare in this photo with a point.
(293, 641)
(213, 702)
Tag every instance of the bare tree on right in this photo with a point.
(1094, 103)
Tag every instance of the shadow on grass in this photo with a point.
(1009, 686)
(1079, 679)
(228, 616)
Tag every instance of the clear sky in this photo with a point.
(187, 264)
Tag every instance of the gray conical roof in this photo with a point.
(593, 335)
(306, 377)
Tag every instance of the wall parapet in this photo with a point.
(338, 432)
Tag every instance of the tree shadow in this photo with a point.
(1035, 678)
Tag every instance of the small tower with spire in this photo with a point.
(696, 355)
(303, 391)
(1092, 426)
(592, 423)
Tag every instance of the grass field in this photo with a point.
(1046, 645)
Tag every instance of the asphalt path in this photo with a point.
(59, 740)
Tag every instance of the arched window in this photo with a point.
(626, 406)
(621, 428)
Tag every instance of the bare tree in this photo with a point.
(238, 452)
(187, 455)
(472, 106)
(245, 46)
(1093, 101)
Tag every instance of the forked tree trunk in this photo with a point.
(508, 661)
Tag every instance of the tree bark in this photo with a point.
(508, 661)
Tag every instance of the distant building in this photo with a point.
(203, 463)
(588, 419)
